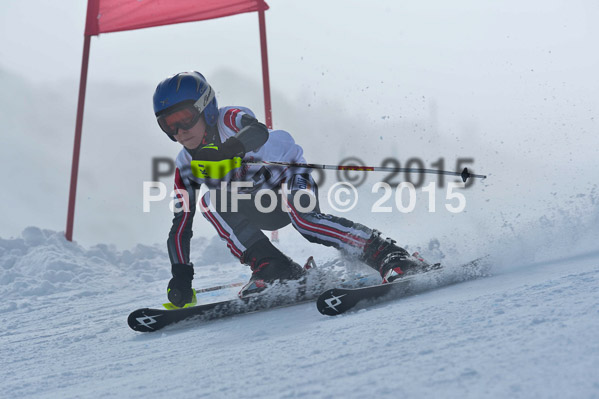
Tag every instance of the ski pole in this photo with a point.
(219, 287)
(464, 174)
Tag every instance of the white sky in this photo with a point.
(512, 84)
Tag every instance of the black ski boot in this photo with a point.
(268, 265)
(391, 261)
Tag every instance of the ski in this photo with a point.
(336, 301)
(277, 296)
(149, 320)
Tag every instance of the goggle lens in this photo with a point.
(184, 118)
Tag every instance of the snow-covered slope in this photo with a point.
(528, 331)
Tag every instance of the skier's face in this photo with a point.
(192, 138)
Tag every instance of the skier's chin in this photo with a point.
(190, 146)
(192, 143)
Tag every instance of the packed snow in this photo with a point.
(529, 330)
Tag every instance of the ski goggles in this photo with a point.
(184, 117)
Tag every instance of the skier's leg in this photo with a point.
(248, 243)
(232, 227)
(301, 194)
(352, 238)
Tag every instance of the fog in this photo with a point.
(511, 85)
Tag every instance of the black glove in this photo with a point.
(228, 150)
(179, 290)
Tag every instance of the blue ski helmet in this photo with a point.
(189, 87)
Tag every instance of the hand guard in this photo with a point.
(212, 162)
(228, 150)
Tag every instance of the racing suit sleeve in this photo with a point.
(179, 238)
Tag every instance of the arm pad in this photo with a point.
(253, 135)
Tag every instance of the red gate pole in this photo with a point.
(265, 78)
(77, 144)
(274, 236)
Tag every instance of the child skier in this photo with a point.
(186, 110)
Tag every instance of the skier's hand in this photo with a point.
(213, 162)
(179, 290)
(228, 150)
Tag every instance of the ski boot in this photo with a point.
(268, 265)
(390, 260)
